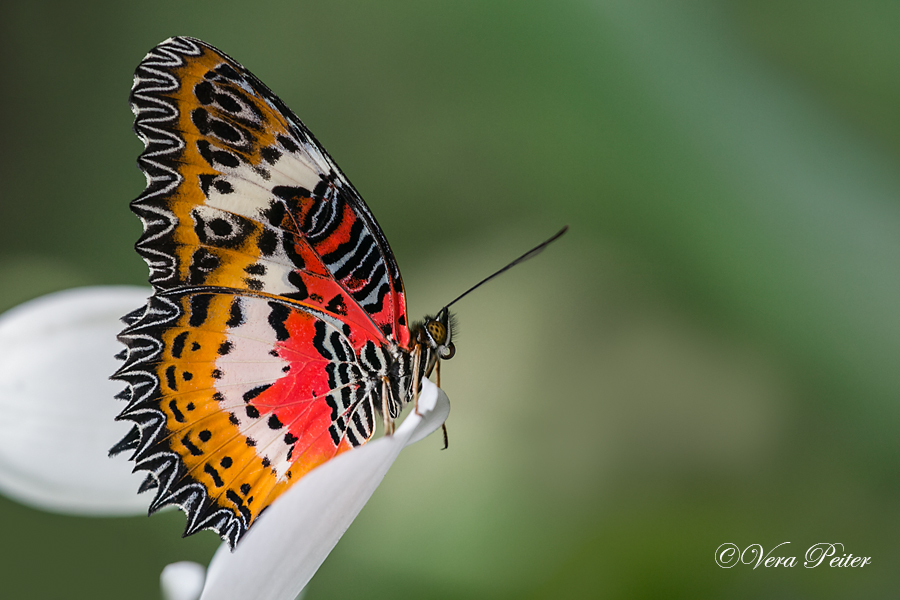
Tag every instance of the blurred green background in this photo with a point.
(708, 356)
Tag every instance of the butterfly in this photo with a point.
(277, 330)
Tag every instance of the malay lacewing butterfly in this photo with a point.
(277, 330)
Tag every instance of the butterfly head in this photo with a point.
(437, 332)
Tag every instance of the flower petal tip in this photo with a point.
(182, 581)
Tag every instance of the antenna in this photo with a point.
(530, 254)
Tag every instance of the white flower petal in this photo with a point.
(57, 408)
(280, 554)
(182, 580)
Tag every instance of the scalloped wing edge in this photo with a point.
(166, 472)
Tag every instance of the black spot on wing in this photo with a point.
(217, 158)
(204, 92)
(199, 309)
(275, 214)
(337, 305)
(211, 471)
(236, 316)
(267, 242)
(223, 187)
(220, 227)
(270, 154)
(251, 394)
(178, 344)
(277, 317)
(179, 416)
(332, 404)
(194, 450)
(288, 144)
(170, 378)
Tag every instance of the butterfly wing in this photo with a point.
(240, 194)
(236, 397)
(278, 306)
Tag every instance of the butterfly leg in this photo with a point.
(385, 408)
(415, 376)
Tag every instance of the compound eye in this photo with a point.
(448, 352)
(437, 331)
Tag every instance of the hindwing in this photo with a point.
(236, 396)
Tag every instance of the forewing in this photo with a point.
(235, 397)
(241, 195)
